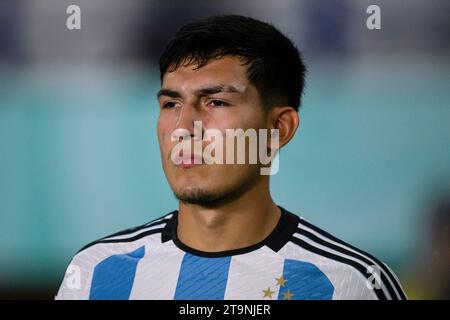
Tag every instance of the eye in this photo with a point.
(169, 105)
(218, 103)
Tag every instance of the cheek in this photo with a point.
(236, 119)
(159, 134)
(163, 131)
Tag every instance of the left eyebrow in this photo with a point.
(215, 89)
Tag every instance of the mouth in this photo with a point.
(190, 161)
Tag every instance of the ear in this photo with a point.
(286, 120)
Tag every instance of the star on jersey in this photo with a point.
(268, 293)
(287, 295)
(281, 281)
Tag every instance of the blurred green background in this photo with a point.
(79, 157)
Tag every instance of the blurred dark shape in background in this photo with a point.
(430, 268)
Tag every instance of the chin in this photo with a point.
(195, 195)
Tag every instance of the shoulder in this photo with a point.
(132, 234)
(129, 244)
(354, 273)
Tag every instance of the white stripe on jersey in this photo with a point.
(243, 283)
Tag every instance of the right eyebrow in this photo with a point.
(168, 93)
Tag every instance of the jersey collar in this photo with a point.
(281, 234)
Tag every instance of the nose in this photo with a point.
(189, 114)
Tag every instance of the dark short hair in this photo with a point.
(274, 64)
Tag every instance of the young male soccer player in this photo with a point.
(228, 239)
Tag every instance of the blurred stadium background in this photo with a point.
(79, 157)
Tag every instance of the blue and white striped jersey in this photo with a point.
(296, 261)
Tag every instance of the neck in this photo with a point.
(242, 222)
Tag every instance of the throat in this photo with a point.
(225, 231)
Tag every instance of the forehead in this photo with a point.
(225, 71)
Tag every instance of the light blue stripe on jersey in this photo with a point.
(202, 278)
(305, 282)
(113, 277)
